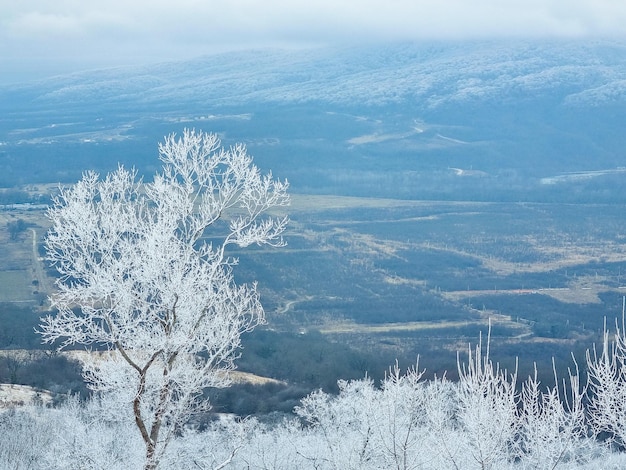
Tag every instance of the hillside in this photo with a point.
(477, 120)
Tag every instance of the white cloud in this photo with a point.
(38, 25)
(126, 31)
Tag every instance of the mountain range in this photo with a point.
(480, 120)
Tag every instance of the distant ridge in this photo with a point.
(386, 120)
(430, 75)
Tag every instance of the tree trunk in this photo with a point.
(151, 459)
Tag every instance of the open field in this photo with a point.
(17, 287)
(12, 395)
(408, 277)
(343, 328)
(22, 273)
(416, 276)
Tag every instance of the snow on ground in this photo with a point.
(17, 395)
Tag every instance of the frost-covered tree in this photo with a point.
(486, 411)
(144, 271)
(366, 427)
(607, 384)
(483, 421)
(22, 442)
(552, 429)
(343, 426)
(406, 423)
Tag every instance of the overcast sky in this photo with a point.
(44, 37)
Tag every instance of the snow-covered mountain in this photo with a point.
(508, 114)
(427, 75)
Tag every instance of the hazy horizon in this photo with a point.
(40, 39)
